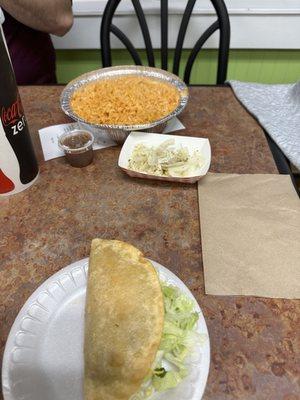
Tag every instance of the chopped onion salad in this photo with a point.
(178, 341)
(165, 159)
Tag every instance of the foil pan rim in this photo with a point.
(107, 73)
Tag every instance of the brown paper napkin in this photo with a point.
(250, 229)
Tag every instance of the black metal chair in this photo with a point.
(222, 24)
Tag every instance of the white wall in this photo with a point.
(255, 24)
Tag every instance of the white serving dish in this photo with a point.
(154, 139)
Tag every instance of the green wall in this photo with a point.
(267, 66)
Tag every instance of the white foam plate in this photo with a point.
(155, 139)
(43, 357)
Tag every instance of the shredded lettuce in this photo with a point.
(165, 159)
(178, 340)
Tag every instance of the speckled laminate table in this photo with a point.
(254, 341)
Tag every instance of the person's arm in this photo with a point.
(52, 16)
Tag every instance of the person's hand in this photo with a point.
(52, 16)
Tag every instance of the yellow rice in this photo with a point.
(126, 100)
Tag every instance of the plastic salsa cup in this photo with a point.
(78, 147)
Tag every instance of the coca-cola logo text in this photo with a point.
(13, 113)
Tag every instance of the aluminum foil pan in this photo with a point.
(119, 133)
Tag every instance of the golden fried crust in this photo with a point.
(123, 320)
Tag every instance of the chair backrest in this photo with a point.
(222, 24)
